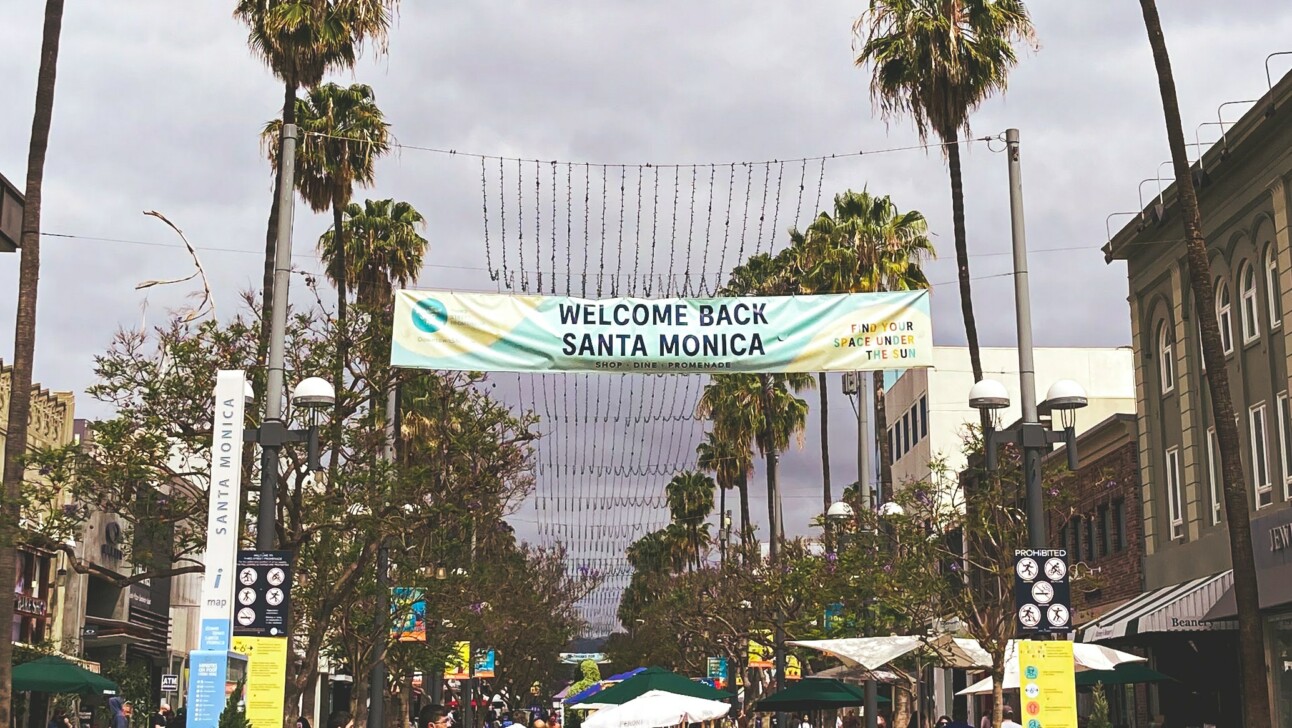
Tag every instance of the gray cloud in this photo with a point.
(159, 106)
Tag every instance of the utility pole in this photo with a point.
(377, 678)
(273, 429)
(866, 488)
(1036, 536)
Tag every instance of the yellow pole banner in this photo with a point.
(760, 650)
(458, 666)
(793, 668)
(266, 677)
(1048, 684)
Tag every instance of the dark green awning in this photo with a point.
(55, 675)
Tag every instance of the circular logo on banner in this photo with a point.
(246, 616)
(1058, 615)
(1055, 569)
(1026, 568)
(246, 596)
(1031, 672)
(429, 315)
(247, 576)
(1029, 615)
(274, 597)
(1033, 707)
(1033, 723)
(275, 577)
(1031, 690)
(1043, 592)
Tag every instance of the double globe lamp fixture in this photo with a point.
(312, 397)
(1064, 397)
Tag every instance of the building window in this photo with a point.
(915, 425)
(1213, 474)
(1091, 553)
(924, 416)
(1258, 430)
(1247, 287)
(1285, 444)
(1076, 539)
(1119, 526)
(1165, 357)
(906, 432)
(1105, 532)
(1272, 287)
(1175, 504)
(1224, 317)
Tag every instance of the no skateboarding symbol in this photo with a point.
(1042, 600)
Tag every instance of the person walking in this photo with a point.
(1008, 722)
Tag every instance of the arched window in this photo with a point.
(1272, 289)
(1247, 289)
(1224, 316)
(1165, 357)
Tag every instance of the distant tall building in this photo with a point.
(928, 409)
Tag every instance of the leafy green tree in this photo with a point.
(234, 714)
(590, 674)
(936, 62)
(1099, 709)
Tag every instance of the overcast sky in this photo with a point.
(159, 105)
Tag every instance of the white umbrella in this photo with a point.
(658, 709)
(1084, 657)
(872, 653)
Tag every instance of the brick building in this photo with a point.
(1101, 528)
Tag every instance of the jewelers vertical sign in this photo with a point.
(1042, 594)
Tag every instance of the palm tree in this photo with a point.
(690, 501)
(383, 248)
(937, 61)
(1251, 638)
(24, 339)
(867, 245)
(301, 41)
(730, 460)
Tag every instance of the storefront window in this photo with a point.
(1278, 632)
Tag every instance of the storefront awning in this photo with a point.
(1175, 608)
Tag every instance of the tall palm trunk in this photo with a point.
(24, 346)
(1251, 638)
(774, 524)
(826, 497)
(884, 447)
(722, 524)
(962, 251)
(745, 519)
(271, 232)
(343, 336)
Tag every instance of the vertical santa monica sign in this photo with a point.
(209, 663)
(522, 333)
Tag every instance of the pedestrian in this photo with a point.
(1008, 712)
(60, 719)
(805, 723)
(161, 718)
(436, 716)
(942, 722)
(960, 719)
(117, 710)
(302, 722)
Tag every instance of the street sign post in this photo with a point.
(1042, 593)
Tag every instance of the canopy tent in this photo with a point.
(658, 709)
(873, 653)
(1084, 657)
(595, 688)
(1129, 673)
(814, 693)
(648, 680)
(854, 674)
(55, 675)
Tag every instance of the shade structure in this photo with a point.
(650, 679)
(595, 688)
(873, 653)
(1084, 657)
(1129, 673)
(55, 675)
(658, 709)
(814, 693)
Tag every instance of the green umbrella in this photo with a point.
(53, 674)
(817, 693)
(652, 678)
(1125, 674)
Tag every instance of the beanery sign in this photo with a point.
(522, 333)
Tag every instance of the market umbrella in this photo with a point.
(1125, 674)
(658, 709)
(814, 693)
(652, 678)
(872, 653)
(53, 674)
(1085, 657)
